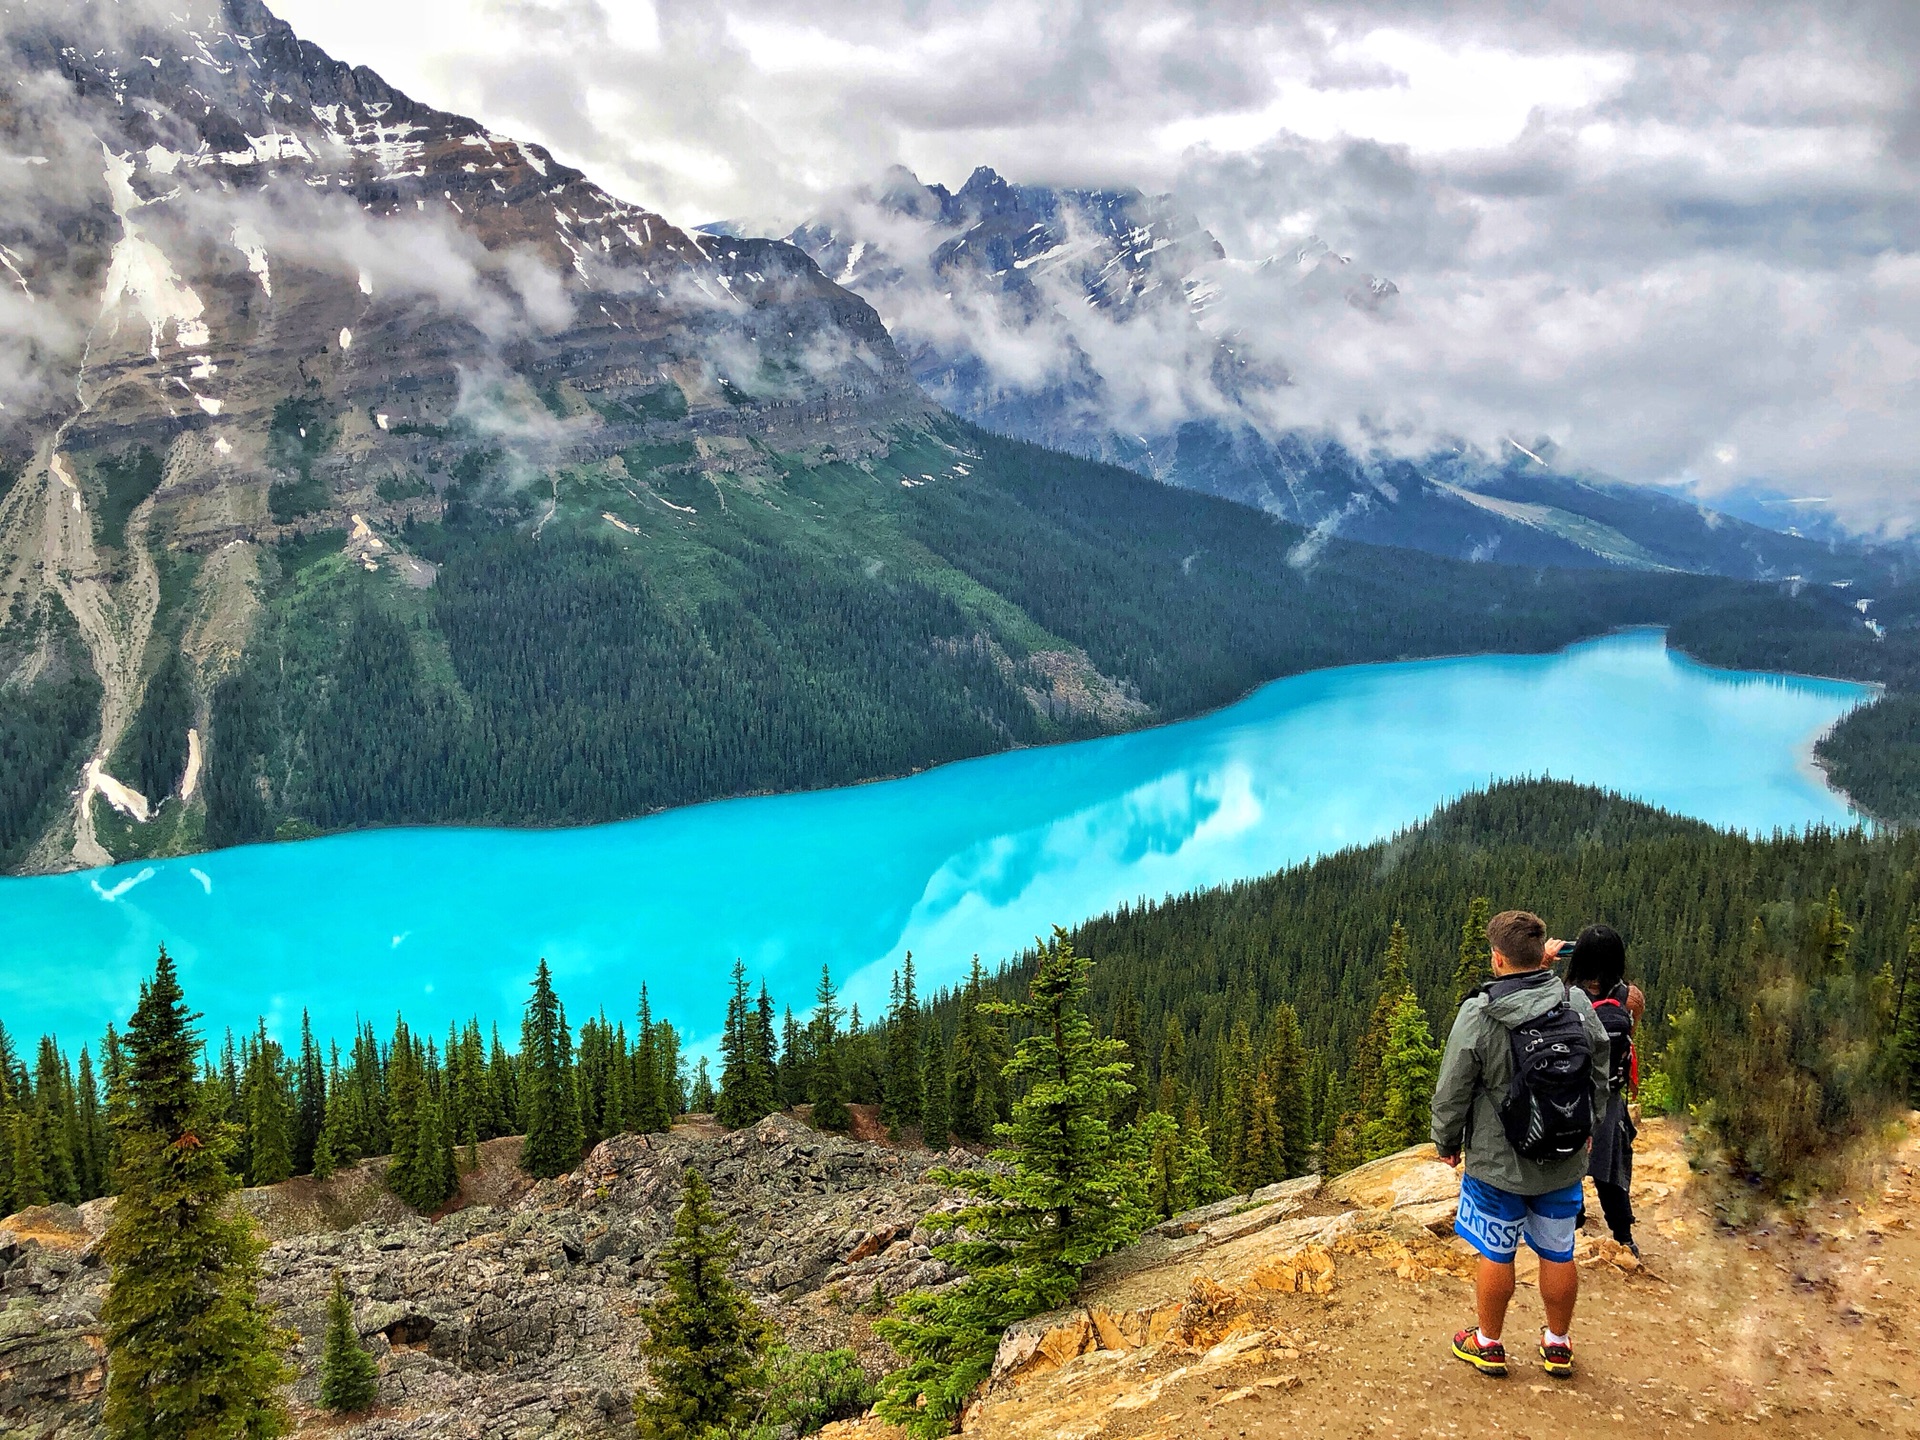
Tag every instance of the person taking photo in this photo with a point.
(1524, 1076)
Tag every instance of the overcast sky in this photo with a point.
(1681, 239)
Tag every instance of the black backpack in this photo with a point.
(1617, 1021)
(1548, 1112)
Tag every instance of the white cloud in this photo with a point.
(1662, 233)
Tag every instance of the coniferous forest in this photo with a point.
(1298, 1013)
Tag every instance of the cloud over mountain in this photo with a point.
(1679, 238)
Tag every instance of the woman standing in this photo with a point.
(1597, 963)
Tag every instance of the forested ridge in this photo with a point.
(1269, 1025)
(822, 622)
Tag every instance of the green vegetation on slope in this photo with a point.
(677, 624)
(791, 626)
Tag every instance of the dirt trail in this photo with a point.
(1798, 1330)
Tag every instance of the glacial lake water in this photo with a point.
(978, 856)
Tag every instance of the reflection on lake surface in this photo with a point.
(978, 856)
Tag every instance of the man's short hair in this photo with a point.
(1521, 936)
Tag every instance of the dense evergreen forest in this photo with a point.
(1268, 1026)
(852, 628)
(666, 635)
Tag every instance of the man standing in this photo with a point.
(1525, 1075)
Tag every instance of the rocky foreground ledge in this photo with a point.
(516, 1314)
(1303, 1308)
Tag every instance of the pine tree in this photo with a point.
(1199, 1179)
(1365, 1096)
(1066, 1190)
(1407, 1072)
(191, 1349)
(1470, 966)
(549, 1107)
(349, 1378)
(904, 1098)
(431, 1178)
(406, 1091)
(828, 1090)
(704, 1338)
(1834, 940)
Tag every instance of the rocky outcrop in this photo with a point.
(517, 1318)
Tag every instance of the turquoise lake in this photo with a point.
(977, 856)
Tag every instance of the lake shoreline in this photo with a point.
(536, 827)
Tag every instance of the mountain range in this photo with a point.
(361, 465)
(1109, 323)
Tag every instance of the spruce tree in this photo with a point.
(702, 1100)
(1126, 1030)
(794, 1061)
(53, 1112)
(503, 1089)
(1470, 966)
(27, 1182)
(406, 1090)
(935, 1126)
(1407, 1072)
(349, 1378)
(904, 1098)
(704, 1338)
(763, 1058)
(978, 1057)
(736, 1104)
(1287, 1066)
(1169, 1098)
(549, 1107)
(828, 1088)
(269, 1115)
(309, 1098)
(92, 1156)
(651, 1112)
(191, 1350)
(1066, 1190)
(1905, 1047)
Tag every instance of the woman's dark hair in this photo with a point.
(1599, 958)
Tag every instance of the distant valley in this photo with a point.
(364, 466)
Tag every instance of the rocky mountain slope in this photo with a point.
(251, 286)
(1099, 322)
(361, 466)
(1303, 1306)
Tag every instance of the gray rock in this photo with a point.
(522, 1321)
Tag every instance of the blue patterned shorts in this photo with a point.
(1493, 1221)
